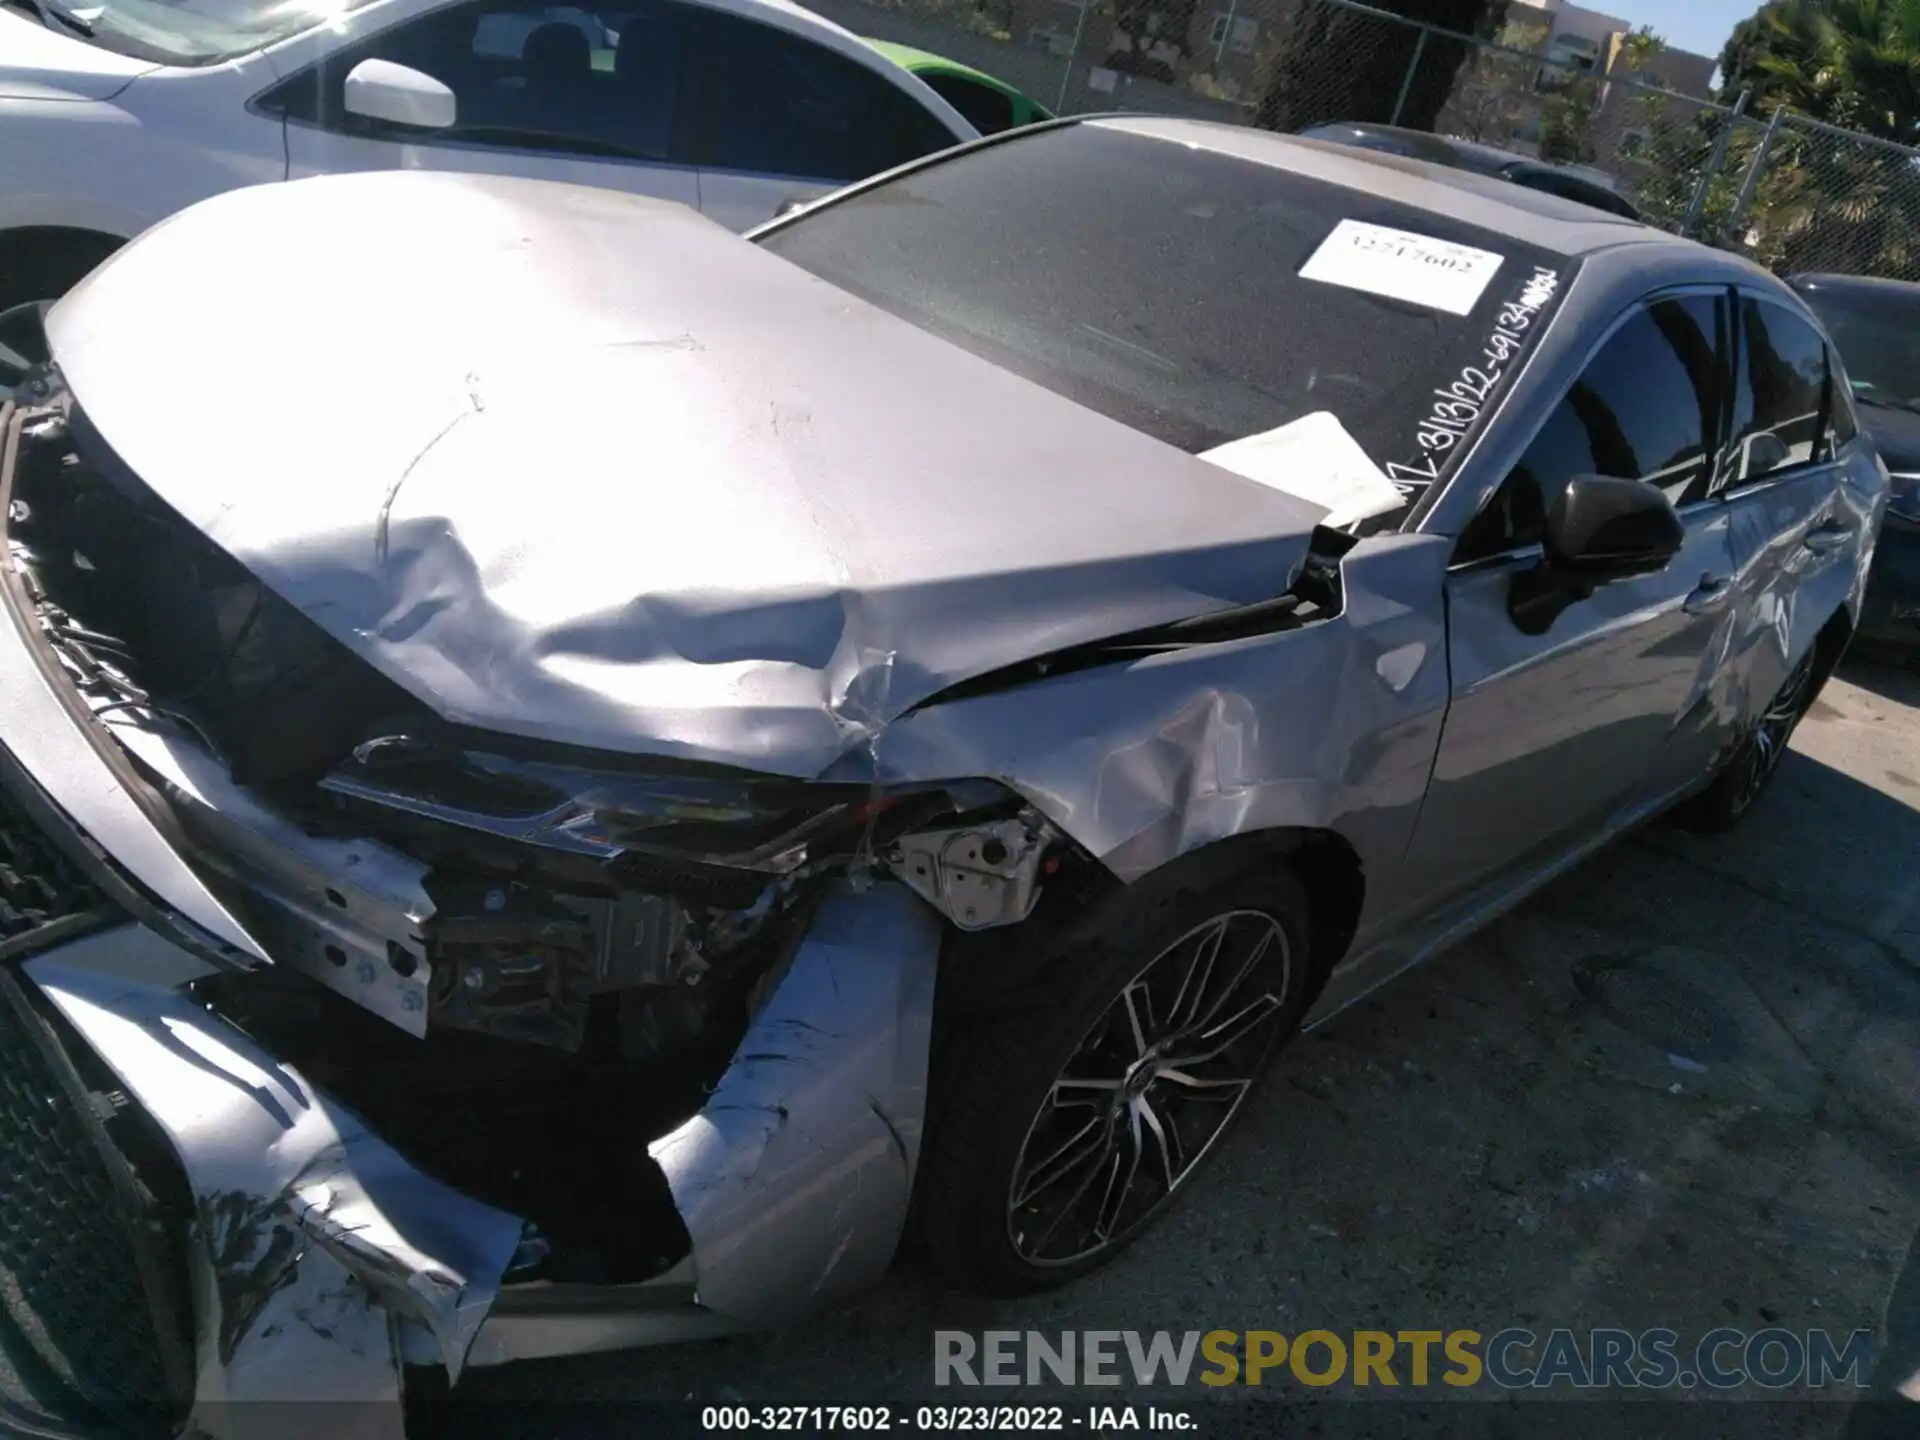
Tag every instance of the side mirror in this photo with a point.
(382, 90)
(1607, 529)
(1600, 529)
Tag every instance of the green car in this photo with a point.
(990, 105)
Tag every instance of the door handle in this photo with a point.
(1830, 536)
(1710, 594)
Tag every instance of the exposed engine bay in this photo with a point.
(523, 961)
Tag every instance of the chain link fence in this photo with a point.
(1791, 192)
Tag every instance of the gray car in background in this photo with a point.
(540, 823)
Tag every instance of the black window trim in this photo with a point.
(1723, 491)
(387, 133)
(1715, 443)
(262, 103)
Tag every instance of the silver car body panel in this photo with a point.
(1146, 761)
(741, 521)
(469, 514)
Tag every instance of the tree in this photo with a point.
(1493, 94)
(1566, 126)
(1779, 28)
(1825, 201)
(1852, 63)
(1338, 64)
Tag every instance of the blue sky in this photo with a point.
(1701, 26)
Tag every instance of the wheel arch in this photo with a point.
(26, 250)
(982, 972)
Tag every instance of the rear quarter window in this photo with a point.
(986, 109)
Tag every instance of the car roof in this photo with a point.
(1549, 222)
(1423, 144)
(1855, 284)
(1471, 155)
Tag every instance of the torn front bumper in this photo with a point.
(319, 1260)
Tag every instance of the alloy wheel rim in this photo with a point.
(1767, 746)
(1151, 1087)
(23, 345)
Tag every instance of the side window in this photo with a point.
(986, 109)
(1779, 395)
(524, 74)
(1646, 408)
(772, 103)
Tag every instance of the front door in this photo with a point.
(1550, 737)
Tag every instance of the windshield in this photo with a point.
(202, 32)
(1161, 284)
(1878, 337)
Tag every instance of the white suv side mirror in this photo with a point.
(382, 90)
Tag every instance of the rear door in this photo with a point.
(770, 115)
(1550, 737)
(1793, 542)
(584, 93)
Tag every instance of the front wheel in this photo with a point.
(1062, 1136)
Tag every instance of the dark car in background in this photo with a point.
(1876, 325)
(1589, 187)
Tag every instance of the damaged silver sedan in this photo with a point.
(570, 778)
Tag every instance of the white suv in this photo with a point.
(119, 113)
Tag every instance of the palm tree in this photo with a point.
(1827, 201)
(1853, 63)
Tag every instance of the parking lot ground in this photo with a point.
(1679, 1088)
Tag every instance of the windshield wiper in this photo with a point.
(48, 11)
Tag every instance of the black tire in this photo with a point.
(1001, 1084)
(1746, 773)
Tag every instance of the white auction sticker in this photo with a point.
(1403, 266)
(1316, 459)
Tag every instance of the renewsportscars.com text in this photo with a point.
(1511, 1359)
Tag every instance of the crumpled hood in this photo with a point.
(581, 466)
(38, 62)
